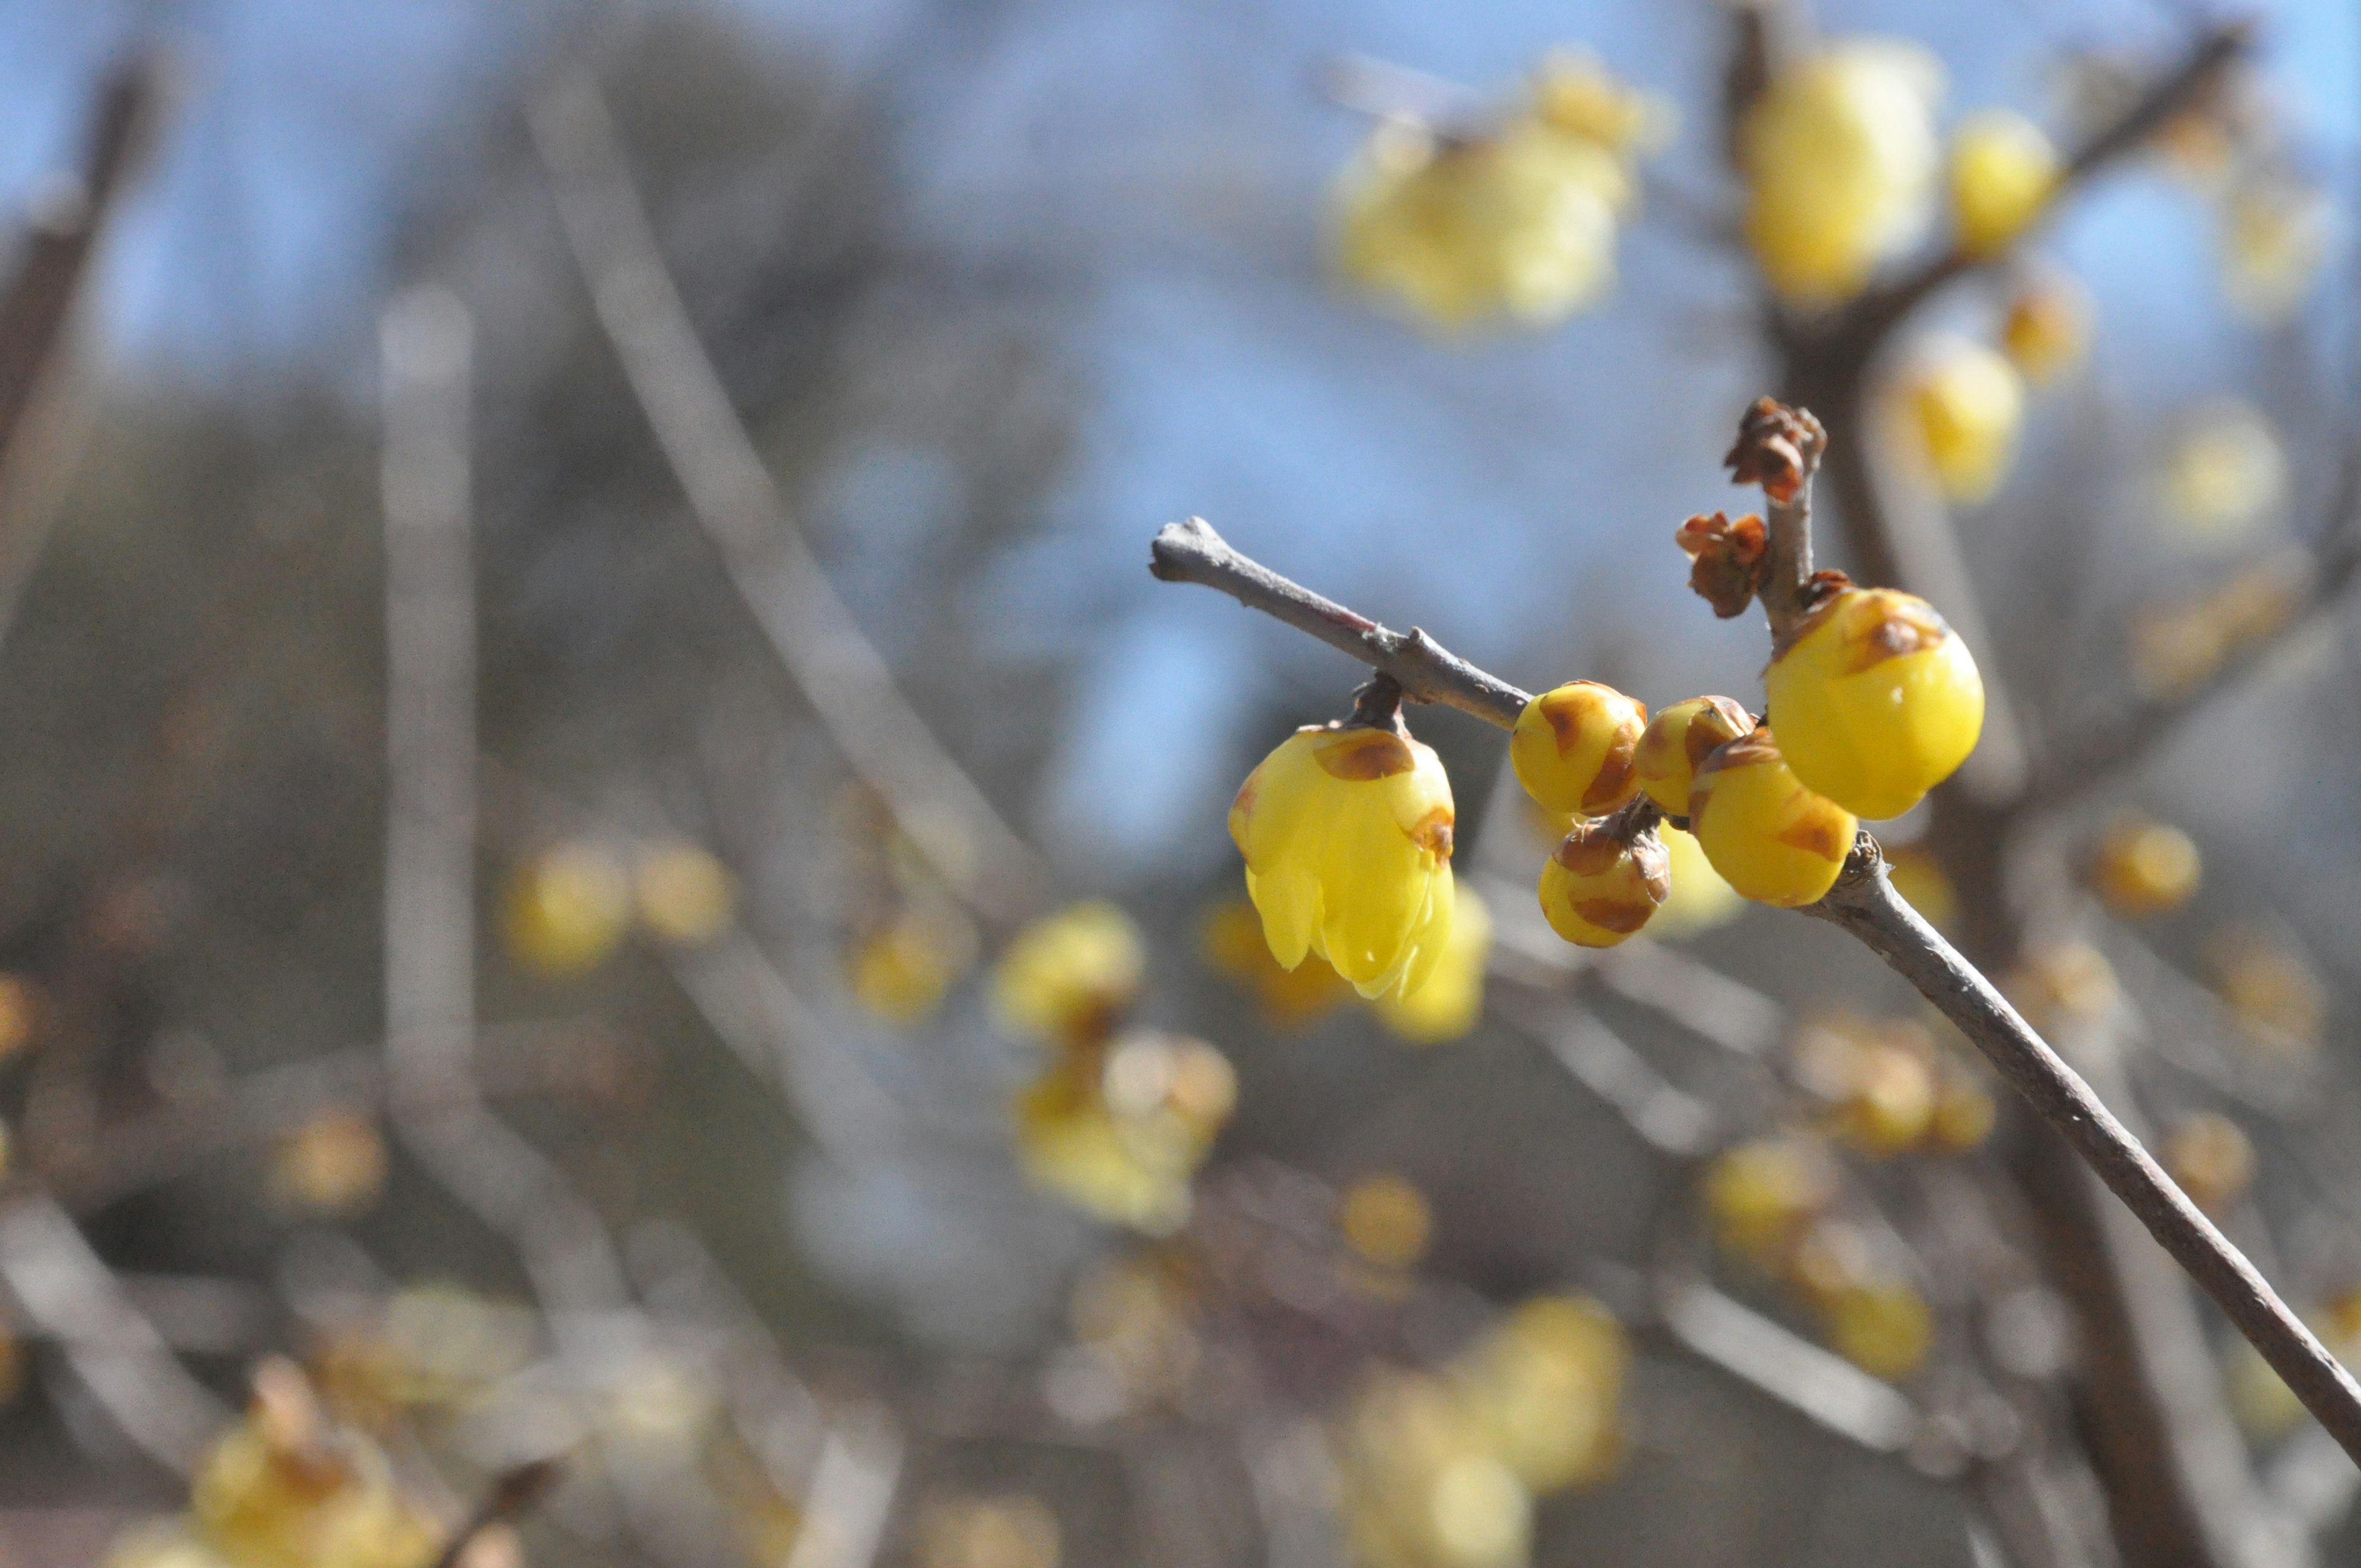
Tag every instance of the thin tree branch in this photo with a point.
(814, 634)
(512, 1494)
(1864, 904)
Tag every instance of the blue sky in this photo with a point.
(1489, 491)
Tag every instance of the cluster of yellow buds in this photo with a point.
(1120, 1117)
(287, 1488)
(1889, 1087)
(1514, 219)
(1441, 1469)
(1772, 1201)
(569, 907)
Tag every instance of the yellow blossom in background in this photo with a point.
(2047, 330)
(1232, 943)
(2225, 475)
(1965, 403)
(1575, 95)
(1070, 975)
(2142, 867)
(2003, 170)
(2062, 983)
(567, 908)
(1386, 1220)
(333, 1164)
(1418, 1483)
(1545, 1387)
(20, 1014)
(902, 970)
(2212, 1159)
(1840, 157)
(1884, 1326)
(1447, 1006)
(1763, 1194)
(684, 895)
(1919, 877)
(1347, 834)
(1119, 1134)
(2275, 240)
(1701, 897)
(1519, 224)
(1964, 1108)
(1014, 1532)
(2269, 986)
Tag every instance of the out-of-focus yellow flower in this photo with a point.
(1925, 885)
(1545, 1387)
(1763, 1194)
(2269, 986)
(1577, 95)
(1884, 1326)
(1447, 1006)
(685, 896)
(1386, 1220)
(567, 909)
(1013, 1531)
(2211, 1157)
(2060, 983)
(1965, 403)
(2047, 329)
(1419, 1483)
(2003, 169)
(285, 1488)
(1964, 1110)
(20, 1014)
(2274, 234)
(1138, 1322)
(902, 970)
(1347, 834)
(1068, 977)
(1120, 1134)
(1232, 943)
(2225, 475)
(1520, 224)
(333, 1164)
(2142, 867)
(1701, 898)
(1840, 157)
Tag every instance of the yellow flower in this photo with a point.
(1119, 1132)
(1775, 841)
(2144, 867)
(566, 910)
(2002, 172)
(1598, 889)
(333, 1164)
(1068, 977)
(685, 896)
(902, 970)
(2047, 329)
(1573, 747)
(1573, 94)
(2274, 234)
(1883, 1327)
(1839, 155)
(1764, 1194)
(1965, 402)
(1386, 1220)
(1232, 942)
(1521, 223)
(1545, 1387)
(2225, 475)
(1347, 834)
(1452, 998)
(1925, 885)
(1877, 701)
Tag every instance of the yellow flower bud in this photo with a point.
(2225, 475)
(1118, 1130)
(2047, 329)
(2003, 171)
(1966, 403)
(1680, 738)
(2212, 1159)
(1839, 155)
(1521, 223)
(1891, 1105)
(1876, 701)
(685, 894)
(1447, 1006)
(902, 970)
(333, 1164)
(2268, 985)
(1573, 748)
(1068, 977)
(1965, 1111)
(1577, 95)
(1775, 841)
(567, 909)
(2275, 236)
(1886, 1327)
(2144, 867)
(1347, 834)
(1763, 1194)
(1386, 1220)
(1545, 1388)
(1596, 889)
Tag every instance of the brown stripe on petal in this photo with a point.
(1821, 833)
(1362, 755)
(1565, 716)
(1655, 865)
(1612, 784)
(1433, 833)
(1717, 724)
(1587, 852)
(1757, 745)
(1616, 915)
(1888, 626)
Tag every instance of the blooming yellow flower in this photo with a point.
(1574, 93)
(2274, 234)
(1521, 223)
(1347, 834)
(1232, 942)
(2003, 169)
(1841, 156)
(1447, 1006)
(1119, 1131)
(1965, 402)
(566, 910)
(1068, 976)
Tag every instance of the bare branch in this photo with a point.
(819, 642)
(512, 1494)
(1191, 552)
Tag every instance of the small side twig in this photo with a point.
(512, 1492)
